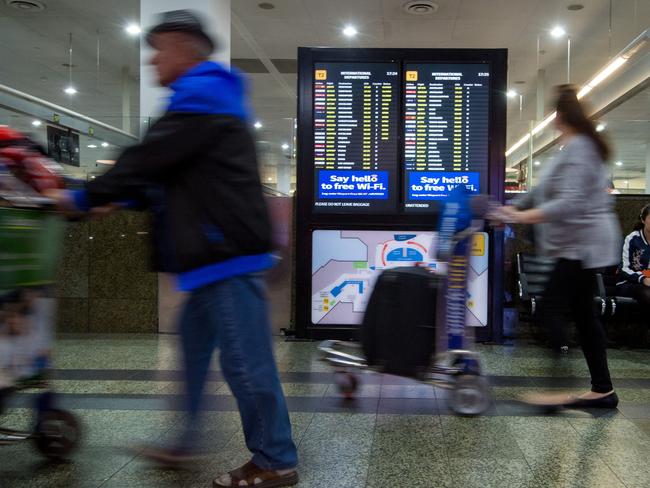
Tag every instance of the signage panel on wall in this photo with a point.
(356, 113)
(446, 113)
(346, 264)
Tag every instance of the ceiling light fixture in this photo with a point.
(574, 7)
(70, 89)
(105, 144)
(285, 146)
(537, 163)
(133, 29)
(630, 50)
(600, 127)
(266, 6)
(258, 125)
(603, 74)
(92, 146)
(36, 123)
(558, 32)
(350, 31)
(511, 94)
(619, 163)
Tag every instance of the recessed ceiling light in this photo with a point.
(258, 125)
(269, 179)
(350, 31)
(70, 90)
(575, 6)
(105, 144)
(619, 163)
(92, 146)
(36, 123)
(285, 146)
(133, 29)
(600, 127)
(558, 31)
(511, 94)
(266, 6)
(537, 163)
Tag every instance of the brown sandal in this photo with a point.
(251, 475)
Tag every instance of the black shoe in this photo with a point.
(609, 401)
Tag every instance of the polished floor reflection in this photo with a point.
(397, 433)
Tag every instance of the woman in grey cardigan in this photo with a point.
(578, 227)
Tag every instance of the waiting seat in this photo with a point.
(533, 273)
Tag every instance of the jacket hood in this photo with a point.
(210, 88)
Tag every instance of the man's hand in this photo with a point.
(62, 200)
(99, 212)
(646, 281)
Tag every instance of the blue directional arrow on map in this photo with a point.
(336, 291)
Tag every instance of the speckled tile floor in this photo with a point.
(398, 433)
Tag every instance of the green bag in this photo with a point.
(30, 244)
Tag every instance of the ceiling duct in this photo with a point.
(26, 5)
(420, 7)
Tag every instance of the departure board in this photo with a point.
(446, 139)
(356, 120)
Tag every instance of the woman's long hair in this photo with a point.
(571, 113)
(644, 213)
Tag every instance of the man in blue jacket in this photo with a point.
(212, 230)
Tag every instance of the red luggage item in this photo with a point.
(22, 157)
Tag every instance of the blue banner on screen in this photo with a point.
(434, 185)
(353, 185)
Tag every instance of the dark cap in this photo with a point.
(180, 21)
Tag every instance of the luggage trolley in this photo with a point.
(457, 367)
(30, 238)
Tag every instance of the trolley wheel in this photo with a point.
(470, 395)
(347, 384)
(57, 434)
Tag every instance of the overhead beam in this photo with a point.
(261, 54)
(24, 103)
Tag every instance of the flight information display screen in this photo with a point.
(356, 122)
(446, 139)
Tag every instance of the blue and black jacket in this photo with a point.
(636, 258)
(197, 168)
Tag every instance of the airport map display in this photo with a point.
(346, 264)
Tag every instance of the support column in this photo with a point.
(215, 15)
(539, 109)
(126, 99)
(647, 167)
(284, 177)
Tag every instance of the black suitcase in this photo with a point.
(398, 330)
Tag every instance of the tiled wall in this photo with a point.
(104, 282)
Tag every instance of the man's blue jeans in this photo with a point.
(232, 315)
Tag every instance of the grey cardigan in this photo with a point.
(572, 194)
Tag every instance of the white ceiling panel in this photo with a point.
(429, 33)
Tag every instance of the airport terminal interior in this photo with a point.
(376, 123)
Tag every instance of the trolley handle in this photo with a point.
(28, 202)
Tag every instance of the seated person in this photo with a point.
(634, 273)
